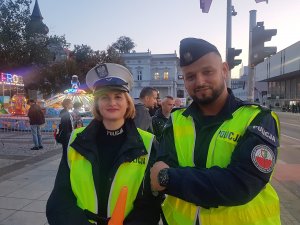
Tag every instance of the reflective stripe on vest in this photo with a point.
(262, 210)
(129, 174)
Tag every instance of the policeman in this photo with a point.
(102, 158)
(220, 152)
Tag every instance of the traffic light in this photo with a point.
(232, 52)
(259, 36)
(205, 5)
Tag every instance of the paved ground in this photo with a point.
(27, 178)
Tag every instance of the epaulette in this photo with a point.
(262, 107)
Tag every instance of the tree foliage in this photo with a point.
(58, 40)
(124, 44)
(21, 48)
(14, 15)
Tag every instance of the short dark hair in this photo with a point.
(169, 97)
(147, 91)
(77, 105)
(31, 101)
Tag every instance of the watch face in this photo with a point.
(163, 177)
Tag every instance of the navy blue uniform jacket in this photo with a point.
(237, 184)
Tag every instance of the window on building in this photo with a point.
(156, 76)
(166, 75)
(140, 75)
(180, 93)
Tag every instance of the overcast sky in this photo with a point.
(159, 25)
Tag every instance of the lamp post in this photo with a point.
(230, 12)
(205, 6)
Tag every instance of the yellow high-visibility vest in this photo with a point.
(130, 174)
(262, 210)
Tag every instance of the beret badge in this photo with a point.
(101, 71)
(188, 57)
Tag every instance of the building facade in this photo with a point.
(160, 71)
(282, 74)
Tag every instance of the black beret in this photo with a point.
(192, 49)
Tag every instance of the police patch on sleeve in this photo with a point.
(263, 158)
(264, 134)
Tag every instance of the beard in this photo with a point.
(208, 99)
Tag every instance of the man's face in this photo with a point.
(151, 100)
(205, 79)
(167, 105)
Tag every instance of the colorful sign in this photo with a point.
(8, 78)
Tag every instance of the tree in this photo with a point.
(124, 44)
(83, 53)
(58, 40)
(14, 15)
(56, 77)
(111, 55)
(19, 45)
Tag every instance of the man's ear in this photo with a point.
(225, 70)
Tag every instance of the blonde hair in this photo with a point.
(130, 111)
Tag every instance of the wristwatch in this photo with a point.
(163, 177)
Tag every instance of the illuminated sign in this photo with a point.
(74, 91)
(8, 78)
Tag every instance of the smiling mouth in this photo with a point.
(202, 89)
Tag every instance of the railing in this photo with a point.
(12, 127)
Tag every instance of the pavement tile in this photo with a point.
(45, 196)
(9, 186)
(4, 213)
(7, 162)
(25, 218)
(13, 203)
(27, 194)
(44, 184)
(287, 172)
(36, 206)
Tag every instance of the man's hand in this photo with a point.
(158, 166)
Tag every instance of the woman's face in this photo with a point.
(113, 105)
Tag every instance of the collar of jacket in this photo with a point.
(231, 105)
(159, 114)
(86, 142)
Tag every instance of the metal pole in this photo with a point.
(251, 80)
(228, 37)
(3, 90)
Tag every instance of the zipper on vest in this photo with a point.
(197, 217)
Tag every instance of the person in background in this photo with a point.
(107, 155)
(156, 107)
(162, 115)
(147, 100)
(177, 103)
(220, 152)
(36, 119)
(66, 124)
(77, 120)
(189, 101)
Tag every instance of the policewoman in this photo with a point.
(108, 154)
(220, 152)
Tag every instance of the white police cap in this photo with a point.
(109, 75)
